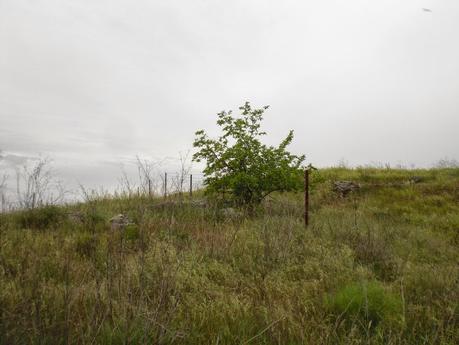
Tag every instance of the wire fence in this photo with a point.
(37, 184)
(152, 183)
(159, 183)
(173, 182)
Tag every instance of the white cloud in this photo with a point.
(90, 81)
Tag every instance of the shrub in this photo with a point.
(368, 302)
(40, 218)
(239, 166)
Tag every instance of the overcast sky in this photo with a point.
(95, 82)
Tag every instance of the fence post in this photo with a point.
(191, 185)
(306, 197)
(165, 185)
(149, 187)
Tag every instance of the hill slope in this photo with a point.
(379, 266)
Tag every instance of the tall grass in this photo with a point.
(377, 267)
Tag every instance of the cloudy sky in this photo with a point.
(94, 83)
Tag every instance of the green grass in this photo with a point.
(366, 303)
(378, 267)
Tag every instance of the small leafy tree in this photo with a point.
(239, 166)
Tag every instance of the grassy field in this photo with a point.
(380, 266)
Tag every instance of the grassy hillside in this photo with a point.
(380, 266)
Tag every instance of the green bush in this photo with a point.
(40, 218)
(367, 302)
(239, 166)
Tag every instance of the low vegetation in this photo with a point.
(379, 266)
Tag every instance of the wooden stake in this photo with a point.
(165, 185)
(306, 197)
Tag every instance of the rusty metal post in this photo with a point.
(191, 185)
(165, 185)
(306, 197)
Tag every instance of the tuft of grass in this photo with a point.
(369, 303)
